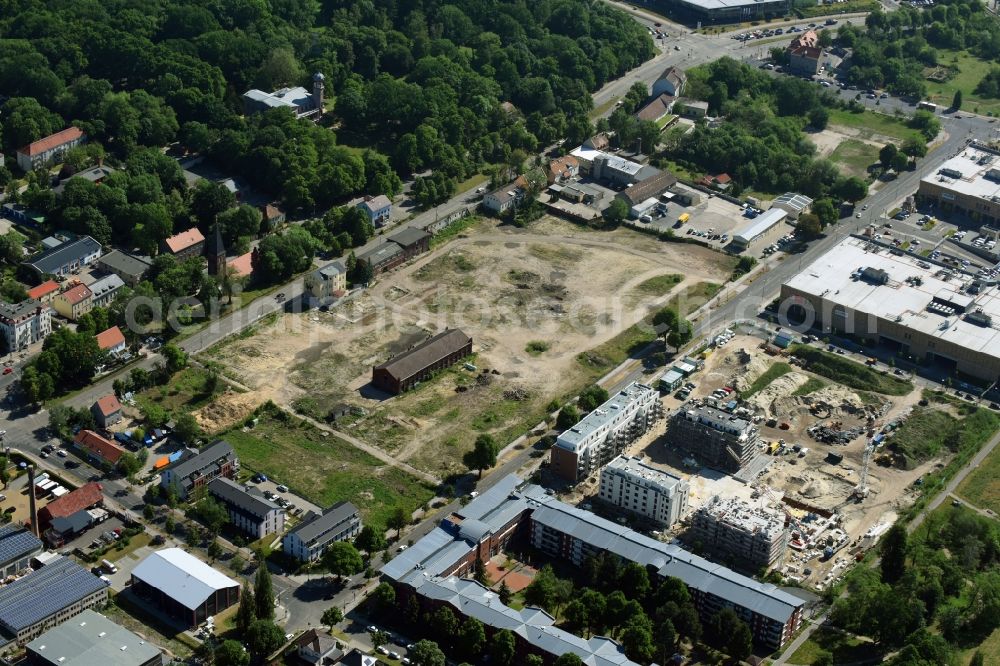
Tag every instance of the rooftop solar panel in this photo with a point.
(34, 597)
(16, 542)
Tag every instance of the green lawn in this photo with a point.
(845, 648)
(603, 108)
(777, 370)
(854, 157)
(971, 71)
(869, 124)
(327, 469)
(850, 373)
(187, 391)
(928, 432)
(659, 285)
(982, 487)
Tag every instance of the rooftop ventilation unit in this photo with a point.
(979, 319)
(950, 173)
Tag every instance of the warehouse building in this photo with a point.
(17, 547)
(632, 485)
(87, 496)
(941, 316)
(91, 639)
(760, 232)
(434, 569)
(605, 432)
(714, 437)
(45, 598)
(183, 586)
(249, 511)
(731, 528)
(66, 258)
(793, 204)
(968, 183)
(310, 538)
(405, 371)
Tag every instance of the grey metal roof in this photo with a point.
(90, 638)
(126, 264)
(52, 260)
(409, 236)
(29, 600)
(181, 576)
(105, 285)
(16, 542)
(252, 501)
(335, 515)
(72, 524)
(429, 351)
(204, 458)
(609, 412)
(670, 560)
(18, 310)
(380, 253)
(536, 626)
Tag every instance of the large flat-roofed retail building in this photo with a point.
(89, 639)
(937, 314)
(968, 183)
(729, 11)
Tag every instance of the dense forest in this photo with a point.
(420, 82)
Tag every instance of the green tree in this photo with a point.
(893, 554)
(503, 647)
(426, 653)
(332, 616)
(246, 613)
(398, 519)
(568, 417)
(818, 117)
(823, 658)
(128, 464)
(900, 162)
(637, 639)
(371, 539)
(825, 211)
(592, 397)
(264, 637)
(808, 226)
(681, 334)
(886, 153)
(471, 638)
(568, 659)
(505, 593)
(231, 653)
(342, 559)
(384, 595)
(914, 148)
(483, 454)
(852, 189)
(214, 550)
(444, 623)
(534, 660)
(616, 212)
(978, 659)
(186, 427)
(213, 514)
(739, 644)
(263, 591)
(175, 357)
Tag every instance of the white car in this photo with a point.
(62, 453)
(381, 649)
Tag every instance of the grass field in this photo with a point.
(772, 373)
(855, 157)
(849, 373)
(811, 386)
(982, 487)
(927, 432)
(188, 390)
(659, 285)
(868, 124)
(846, 649)
(971, 71)
(325, 470)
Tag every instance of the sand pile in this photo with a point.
(747, 373)
(227, 410)
(837, 396)
(814, 488)
(777, 390)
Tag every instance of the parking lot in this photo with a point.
(292, 503)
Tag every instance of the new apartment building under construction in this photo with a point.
(752, 537)
(715, 437)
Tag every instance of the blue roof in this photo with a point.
(16, 542)
(29, 600)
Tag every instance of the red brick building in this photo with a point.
(405, 371)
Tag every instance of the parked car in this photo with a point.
(282, 488)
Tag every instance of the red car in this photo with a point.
(7, 371)
(658, 25)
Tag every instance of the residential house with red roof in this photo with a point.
(107, 411)
(45, 292)
(562, 169)
(186, 244)
(85, 497)
(50, 149)
(98, 448)
(242, 266)
(74, 302)
(111, 341)
(805, 54)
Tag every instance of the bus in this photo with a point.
(927, 106)
(684, 217)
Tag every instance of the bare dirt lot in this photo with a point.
(532, 300)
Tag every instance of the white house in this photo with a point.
(671, 82)
(50, 149)
(306, 543)
(503, 199)
(632, 485)
(24, 323)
